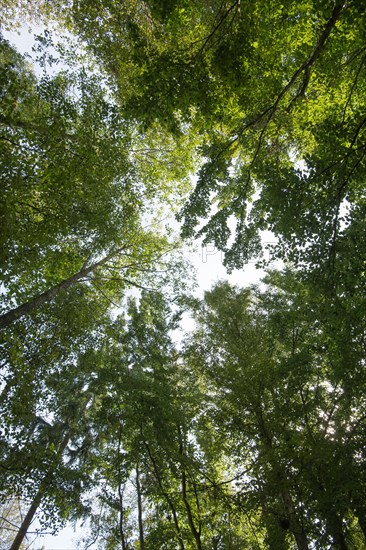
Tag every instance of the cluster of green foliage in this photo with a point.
(278, 92)
(251, 433)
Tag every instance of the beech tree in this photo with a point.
(163, 481)
(277, 93)
(71, 200)
(74, 240)
(250, 434)
(47, 452)
(276, 397)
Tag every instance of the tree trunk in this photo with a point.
(332, 516)
(23, 529)
(361, 516)
(14, 314)
(36, 501)
(139, 506)
(166, 496)
(191, 524)
(196, 533)
(335, 530)
(120, 492)
(276, 536)
(295, 526)
(121, 531)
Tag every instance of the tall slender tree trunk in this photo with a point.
(361, 516)
(121, 512)
(23, 529)
(166, 496)
(139, 506)
(120, 493)
(14, 314)
(335, 530)
(294, 524)
(195, 532)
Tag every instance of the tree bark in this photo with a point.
(120, 492)
(295, 526)
(121, 531)
(196, 533)
(14, 314)
(191, 524)
(139, 506)
(361, 517)
(23, 529)
(166, 496)
(335, 530)
(276, 536)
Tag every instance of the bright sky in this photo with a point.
(208, 263)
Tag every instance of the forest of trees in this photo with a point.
(234, 118)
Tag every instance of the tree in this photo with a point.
(75, 240)
(277, 94)
(251, 435)
(284, 417)
(11, 514)
(14, 14)
(157, 459)
(69, 190)
(46, 457)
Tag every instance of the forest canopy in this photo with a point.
(235, 118)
